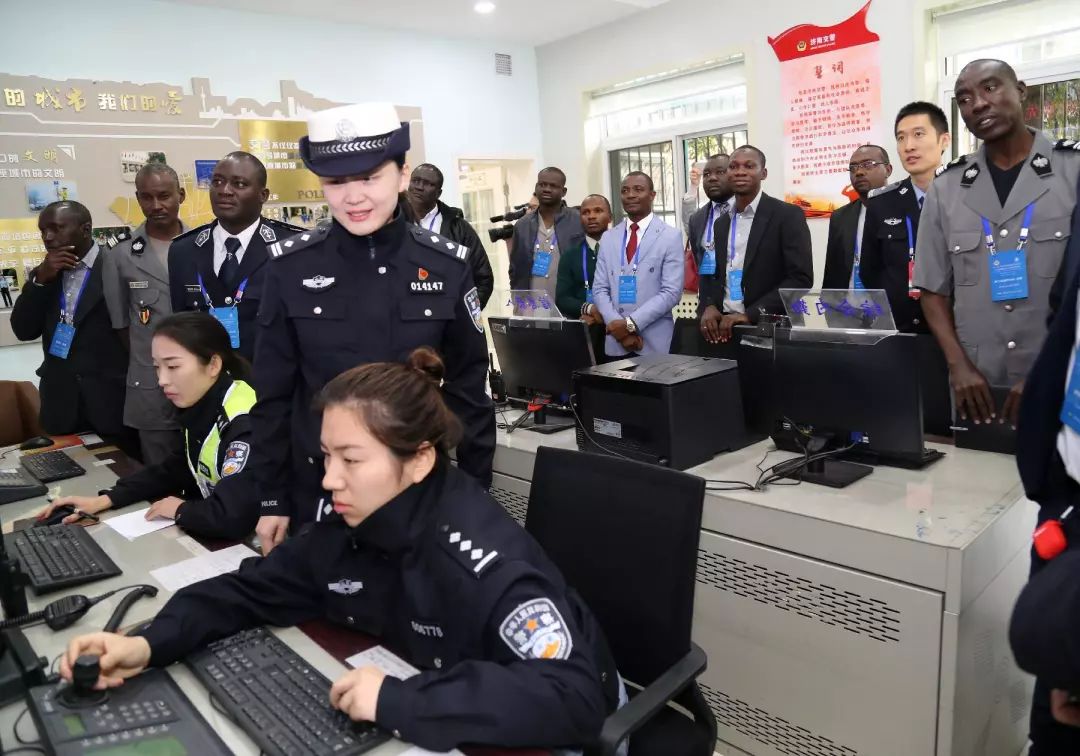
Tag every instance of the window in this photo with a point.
(653, 160)
(698, 148)
(1053, 108)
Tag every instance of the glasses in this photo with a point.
(866, 165)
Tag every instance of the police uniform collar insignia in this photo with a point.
(470, 555)
(903, 190)
(346, 587)
(1041, 164)
(318, 283)
(267, 233)
(138, 245)
(472, 304)
(892, 221)
(537, 630)
(202, 237)
(970, 175)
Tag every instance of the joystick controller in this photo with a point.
(84, 675)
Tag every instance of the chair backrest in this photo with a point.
(19, 407)
(625, 535)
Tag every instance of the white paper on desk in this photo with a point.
(213, 563)
(90, 439)
(131, 525)
(385, 661)
(418, 751)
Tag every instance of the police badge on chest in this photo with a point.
(425, 284)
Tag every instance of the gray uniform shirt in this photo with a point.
(1002, 339)
(136, 286)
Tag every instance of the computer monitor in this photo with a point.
(859, 389)
(538, 356)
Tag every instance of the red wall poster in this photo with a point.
(831, 84)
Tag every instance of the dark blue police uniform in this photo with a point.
(332, 301)
(191, 255)
(508, 654)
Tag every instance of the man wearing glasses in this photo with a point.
(869, 169)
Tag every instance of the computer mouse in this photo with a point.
(57, 516)
(37, 442)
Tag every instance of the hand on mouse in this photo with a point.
(87, 504)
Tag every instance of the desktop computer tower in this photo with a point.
(672, 410)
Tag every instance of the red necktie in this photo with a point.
(631, 246)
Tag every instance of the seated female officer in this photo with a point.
(207, 488)
(422, 557)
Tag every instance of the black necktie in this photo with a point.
(231, 266)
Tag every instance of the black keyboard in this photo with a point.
(16, 485)
(277, 698)
(60, 556)
(51, 466)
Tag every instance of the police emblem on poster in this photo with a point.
(536, 630)
(236, 456)
(472, 303)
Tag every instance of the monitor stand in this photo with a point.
(537, 410)
(833, 473)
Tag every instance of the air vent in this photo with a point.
(850, 611)
(515, 504)
(768, 729)
(503, 65)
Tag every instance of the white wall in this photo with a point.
(468, 111)
(684, 32)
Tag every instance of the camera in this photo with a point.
(507, 232)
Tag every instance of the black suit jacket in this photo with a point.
(695, 227)
(1041, 470)
(93, 373)
(778, 256)
(192, 255)
(840, 252)
(568, 231)
(884, 262)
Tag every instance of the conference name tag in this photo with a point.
(230, 318)
(734, 285)
(1070, 409)
(1008, 275)
(627, 290)
(62, 338)
(541, 264)
(708, 263)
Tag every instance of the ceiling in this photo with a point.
(516, 21)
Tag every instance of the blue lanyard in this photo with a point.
(433, 219)
(236, 299)
(709, 225)
(734, 219)
(64, 317)
(585, 263)
(910, 239)
(1025, 229)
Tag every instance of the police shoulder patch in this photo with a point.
(885, 189)
(283, 228)
(536, 630)
(297, 242)
(472, 304)
(236, 457)
(1072, 145)
(433, 240)
(469, 555)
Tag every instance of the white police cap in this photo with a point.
(353, 139)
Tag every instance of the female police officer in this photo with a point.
(199, 373)
(423, 557)
(366, 287)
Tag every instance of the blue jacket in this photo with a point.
(660, 272)
(1041, 470)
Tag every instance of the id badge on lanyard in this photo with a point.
(542, 258)
(585, 271)
(708, 259)
(1008, 269)
(911, 290)
(229, 317)
(734, 276)
(64, 335)
(1070, 408)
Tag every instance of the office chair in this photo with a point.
(625, 536)
(19, 407)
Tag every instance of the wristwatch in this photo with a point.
(631, 326)
(587, 308)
